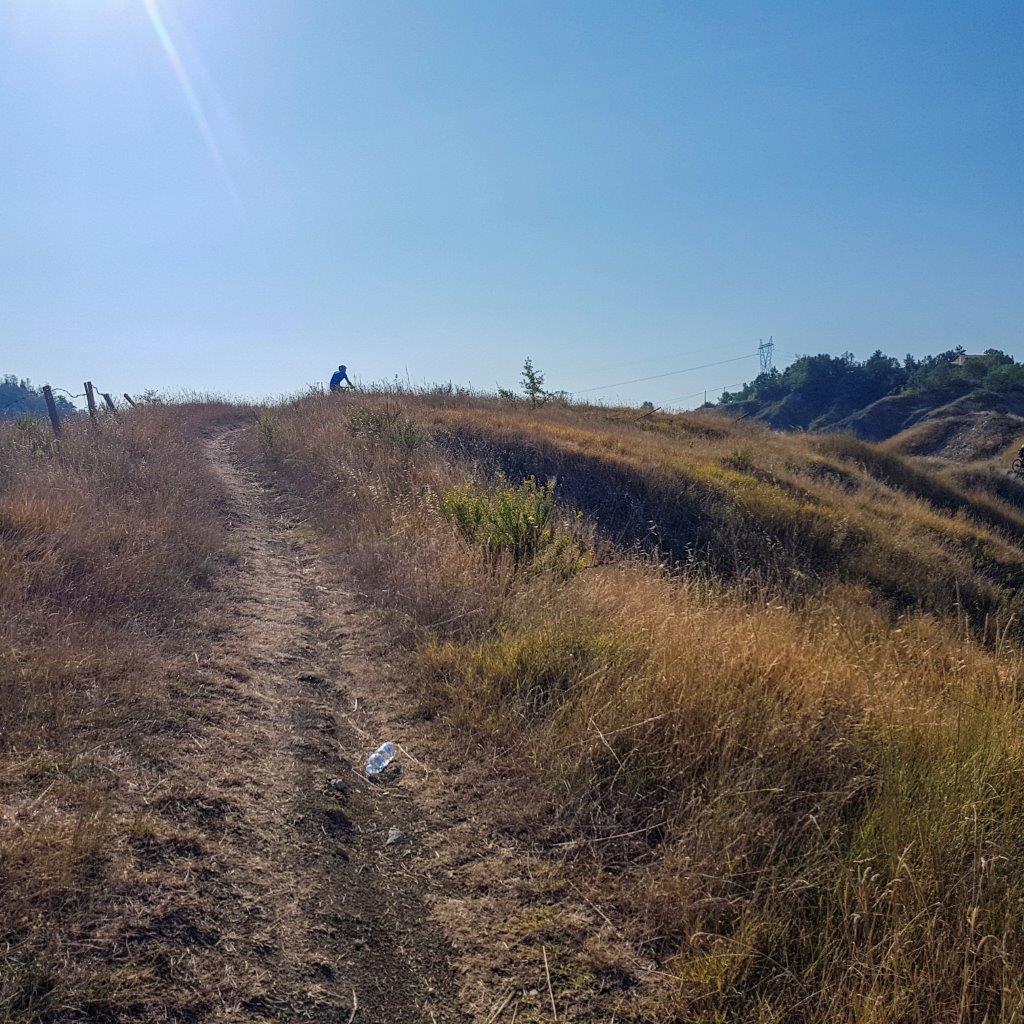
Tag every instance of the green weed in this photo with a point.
(268, 430)
(515, 523)
(388, 425)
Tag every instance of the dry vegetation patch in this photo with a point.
(106, 539)
(771, 730)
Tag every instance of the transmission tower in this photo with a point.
(766, 352)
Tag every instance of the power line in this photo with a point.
(703, 391)
(658, 376)
(769, 345)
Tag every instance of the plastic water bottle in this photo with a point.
(380, 759)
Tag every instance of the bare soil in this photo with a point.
(302, 910)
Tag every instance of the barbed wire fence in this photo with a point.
(89, 394)
(91, 391)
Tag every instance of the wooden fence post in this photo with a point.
(51, 408)
(90, 400)
(109, 402)
(128, 399)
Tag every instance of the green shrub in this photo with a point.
(389, 425)
(741, 458)
(268, 430)
(515, 523)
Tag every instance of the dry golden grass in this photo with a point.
(764, 694)
(776, 716)
(105, 538)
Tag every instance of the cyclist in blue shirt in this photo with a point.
(337, 377)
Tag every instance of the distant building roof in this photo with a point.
(962, 360)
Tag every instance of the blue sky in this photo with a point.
(440, 189)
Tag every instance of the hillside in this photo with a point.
(697, 720)
(961, 412)
(762, 687)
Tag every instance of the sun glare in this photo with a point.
(192, 97)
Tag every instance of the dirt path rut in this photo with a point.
(305, 913)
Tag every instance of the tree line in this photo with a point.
(19, 398)
(861, 382)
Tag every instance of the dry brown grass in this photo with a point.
(776, 721)
(105, 539)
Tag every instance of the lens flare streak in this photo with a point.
(191, 95)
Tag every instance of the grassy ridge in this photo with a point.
(789, 755)
(791, 511)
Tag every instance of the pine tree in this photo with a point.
(533, 383)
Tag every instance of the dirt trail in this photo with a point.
(301, 903)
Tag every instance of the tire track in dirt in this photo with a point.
(300, 902)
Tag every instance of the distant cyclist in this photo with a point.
(337, 377)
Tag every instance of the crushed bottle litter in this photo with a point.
(380, 759)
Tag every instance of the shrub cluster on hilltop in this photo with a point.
(827, 378)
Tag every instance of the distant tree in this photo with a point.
(149, 397)
(822, 379)
(20, 398)
(1006, 377)
(881, 374)
(995, 357)
(533, 384)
